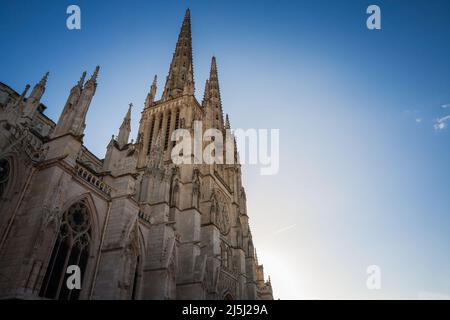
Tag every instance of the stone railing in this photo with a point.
(93, 180)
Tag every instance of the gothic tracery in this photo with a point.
(71, 248)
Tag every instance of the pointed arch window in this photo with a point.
(229, 258)
(224, 255)
(71, 248)
(177, 120)
(150, 137)
(196, 194)
(160, 123)
(167, 137)
(177, 124)
(174, 195)
(173, 198)
(214, 210)
(5, 170)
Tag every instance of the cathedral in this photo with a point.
(135, 224)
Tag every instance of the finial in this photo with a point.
(213, 63)
(227, 122)
(128, 115)
(22, 96)
(213, 71)
(94, 76)
(93, 79)
(44, 78)
(81, 81)
(153, 86)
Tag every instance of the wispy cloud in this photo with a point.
(446, 106)
(410, 112)
(284, 229)
(413, 114)
(441, 123)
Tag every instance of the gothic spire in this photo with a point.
(214, 79)
(93, 80)
(22, 96)
(215, 101)
(227, 122)
(34, 99)
(81, 81)
(44, 79)
(125, 128)
(152, 93)
(206, 94)
(181, 75)
(73, 117)
(39, 88)
(88, 92)
(40, 85)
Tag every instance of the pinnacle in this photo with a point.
(128, 115)
(94, 76)
(81, 81)
(180, 79)
(44, 79)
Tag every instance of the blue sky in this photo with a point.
(364, 176)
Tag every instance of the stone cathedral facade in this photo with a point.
(136, 225)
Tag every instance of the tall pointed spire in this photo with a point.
(73, 117)
(66, 117)
(22, 96)
(93, 80)
(212, 96)
(34, 99)
(43, 82)
(88, 92)
(125, 128)
(152, 93)
(81, 81)
(181, 75)
(227, 122)
(206, 93)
